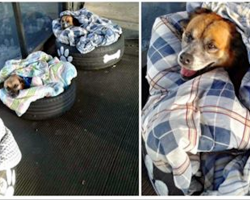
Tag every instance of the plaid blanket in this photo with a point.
(49, 78)
(197, 130)
(94, 31)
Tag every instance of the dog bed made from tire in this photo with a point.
(101, 57)
(52, 107)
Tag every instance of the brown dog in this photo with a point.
(68, 21)
(13, 85)
(210, 41)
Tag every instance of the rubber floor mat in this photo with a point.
(93, 148)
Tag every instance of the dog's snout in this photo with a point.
(186, 59)
(13, 94)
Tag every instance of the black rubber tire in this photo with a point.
(51, 107)
(94, 59)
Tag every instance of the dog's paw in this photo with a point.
(64, 54)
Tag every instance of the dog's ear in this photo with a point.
(76, 22)
(21, 81)
(184, 24)
(193, 14)
(61, 19)
(237, 44)
(198, 11)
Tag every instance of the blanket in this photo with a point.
(10, 154)
(94, 31)
(50, 77)
(198, 130)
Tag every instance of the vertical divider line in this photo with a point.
(140, 103)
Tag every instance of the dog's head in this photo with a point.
(13, 85)
(207, 42)
(67, 21)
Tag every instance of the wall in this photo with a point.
(125, 14)
(150, 11)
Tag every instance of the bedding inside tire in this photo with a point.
(54, 74)
(94, 31)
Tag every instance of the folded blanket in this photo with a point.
(10, 154)
(94, 31)
(53, 74)
(196, 129)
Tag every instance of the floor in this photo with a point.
(93, 148)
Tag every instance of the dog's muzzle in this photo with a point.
(65, 25)
(186, 59)
(13, 94)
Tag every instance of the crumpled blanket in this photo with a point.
(51, 76)
(10, 154)
(196, 129)
(94, 31)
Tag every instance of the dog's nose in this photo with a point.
(186, 59)
(14, 94)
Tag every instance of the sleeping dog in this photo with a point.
(14, 84)
(210, 41)
(69, 21)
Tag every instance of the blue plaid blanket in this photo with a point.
(196, 129)
(94, 31)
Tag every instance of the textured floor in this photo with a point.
(93, 148)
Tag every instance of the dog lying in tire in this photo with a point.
(101, 57)
(52, 107)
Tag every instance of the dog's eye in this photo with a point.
(189, 37)
(211, 46)
(8, 88)
(15, 86)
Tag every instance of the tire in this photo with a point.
(94, 60)
(51, 107)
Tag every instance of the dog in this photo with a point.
(68, 21)
(210, 41)
(14, 84)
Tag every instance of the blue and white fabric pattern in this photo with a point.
(197, 129)
(94, 31)
(10, 156)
